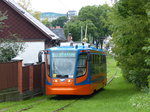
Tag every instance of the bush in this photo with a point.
(141, 102)
(130, 26)
(10, 48)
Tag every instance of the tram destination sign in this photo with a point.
(63, 54)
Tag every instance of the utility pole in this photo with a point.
(85, 38)
(86, 32)
(81, 34)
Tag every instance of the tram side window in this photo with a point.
(94, 64)
(81, 68)
(103, 67)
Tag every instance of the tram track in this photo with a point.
(29, 105)
(110, 80)
(69, 104)
(65, 106)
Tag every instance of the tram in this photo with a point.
(74, 70)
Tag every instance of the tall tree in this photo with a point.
(74, 27)
(131, 34)
(60, 21)
(26, 4)
(95, 17)
(98, 16)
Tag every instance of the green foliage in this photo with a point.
(60, 21)
(10, 48)
(95, 17)
(141, 102)
(25, 4)
(74, 27)
(36, 14)
(98, 16)
(3, 17)
(130, 26)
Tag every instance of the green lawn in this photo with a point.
(118, 96)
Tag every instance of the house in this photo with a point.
(35, 35)
(59, 32)
(71, 13)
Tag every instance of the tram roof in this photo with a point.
(74, 48)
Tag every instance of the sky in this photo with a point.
(62, 6)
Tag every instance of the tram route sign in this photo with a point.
(63, 54)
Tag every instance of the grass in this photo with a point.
(118, 96)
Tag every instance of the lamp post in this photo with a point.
(100, 40)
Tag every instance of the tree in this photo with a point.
(95, 17)
(25, 4)
(9, 46)
(60, 21)
(130, 26)
(36, 14)
(74, 27)
(98, 16)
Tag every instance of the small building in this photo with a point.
(59, 32)
(51, 16)
(35, 35)
(71, 13)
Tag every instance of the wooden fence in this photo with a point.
(26, 80)
(9, 75)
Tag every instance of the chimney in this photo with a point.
(69, 38)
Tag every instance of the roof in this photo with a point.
(31, 19)
(75, 47)
(59, 32)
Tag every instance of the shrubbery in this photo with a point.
(130, 21)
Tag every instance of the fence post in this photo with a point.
(42, 77)
(31, 77)
(20, 89)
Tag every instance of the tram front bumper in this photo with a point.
(74, 90)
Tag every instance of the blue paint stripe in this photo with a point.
(47, 83)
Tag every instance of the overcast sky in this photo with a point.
(62, 6)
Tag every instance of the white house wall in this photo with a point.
(30, 54)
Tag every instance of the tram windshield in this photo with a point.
(63, 64)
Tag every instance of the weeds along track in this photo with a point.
(65, 106)
(29, 105)
(110, 79)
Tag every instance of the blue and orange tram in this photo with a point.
(75, 70)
